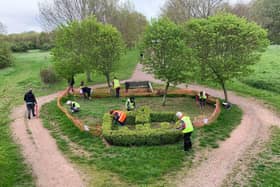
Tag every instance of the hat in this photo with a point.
(179, 114)
(69, 102)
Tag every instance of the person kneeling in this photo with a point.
(118, 116)
(130, 104)
(74, 106)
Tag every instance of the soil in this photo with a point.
(51, 168)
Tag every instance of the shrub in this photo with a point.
(46, 47)
(143, 115)
(165, 125)
(163, 117)
(130, 118)
(20, 47)
(5, 55)
(48, 76)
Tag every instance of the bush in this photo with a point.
(5, 55)
(163, 117)
(46, 47)
(20, 47)
(48, 76)
(143, 115)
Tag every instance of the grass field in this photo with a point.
(93, 111)
(145, 165)
(14, 83)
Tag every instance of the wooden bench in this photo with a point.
(138, 84)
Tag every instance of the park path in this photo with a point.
(52, 169)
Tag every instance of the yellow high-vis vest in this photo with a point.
(188, 124)
(116, 83)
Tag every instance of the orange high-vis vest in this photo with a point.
(121, 114)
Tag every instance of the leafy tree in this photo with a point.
(110, 47)
(85, 46)
(5, 55)
(166, 54)
(226, 46)
(67, 51)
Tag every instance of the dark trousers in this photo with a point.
(202, 102)
(118, 92)
(187, 141)
(30, 108)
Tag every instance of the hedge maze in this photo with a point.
(150, 128)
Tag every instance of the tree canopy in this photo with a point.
(166, 55)
(226, 46)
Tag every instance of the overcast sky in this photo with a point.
(22, 15)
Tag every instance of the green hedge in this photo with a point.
(142, 135)
(163, 117)
(143, 115)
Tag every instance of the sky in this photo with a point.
(22, 15)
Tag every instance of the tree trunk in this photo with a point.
(165, 93)
(88, 75)
(225, 92)
(108, 80)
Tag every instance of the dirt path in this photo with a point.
(254, 127)
(52, 169)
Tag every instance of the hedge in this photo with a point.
(142, 135)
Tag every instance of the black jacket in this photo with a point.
(29, 97)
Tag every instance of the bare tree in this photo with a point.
(3, 29)
(182, 10)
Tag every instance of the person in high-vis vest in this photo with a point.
(202, 96)
(74, 106)
(187, 129)
(117, 86)
(130, 104)
(118, 116)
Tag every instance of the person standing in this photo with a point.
(202, 99)
(187, 129)
(30, 101)
(71, 82)
(117, 86)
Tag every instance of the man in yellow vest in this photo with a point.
(130, 104)
(117, 86)
(187, 128)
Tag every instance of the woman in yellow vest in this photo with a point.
(117, 86)
(187, 129)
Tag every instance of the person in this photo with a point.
(187, 129)
(117, 86)
(71, 82)
(86, 91)
(130, 104)
(30, 101)
(202, 96)
(118, 116)
(74, 106)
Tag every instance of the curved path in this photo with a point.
(52, 169)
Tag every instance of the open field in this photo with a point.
(14, 82)
(133, 165)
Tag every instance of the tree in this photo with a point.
(226, 46)
(5, 52)
(87, 45)
(266, 13)
(110, 47)
(182, 10)
(166, 54)
(67, 50)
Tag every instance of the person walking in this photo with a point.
(30, 101)
(187, 129)
(117, 86)
(202, 96)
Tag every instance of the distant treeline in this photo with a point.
(30, 40)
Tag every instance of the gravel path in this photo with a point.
(52, 169)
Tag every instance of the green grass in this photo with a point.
(14, 83)
(135, 165)
(93, 111)
(266, 169)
